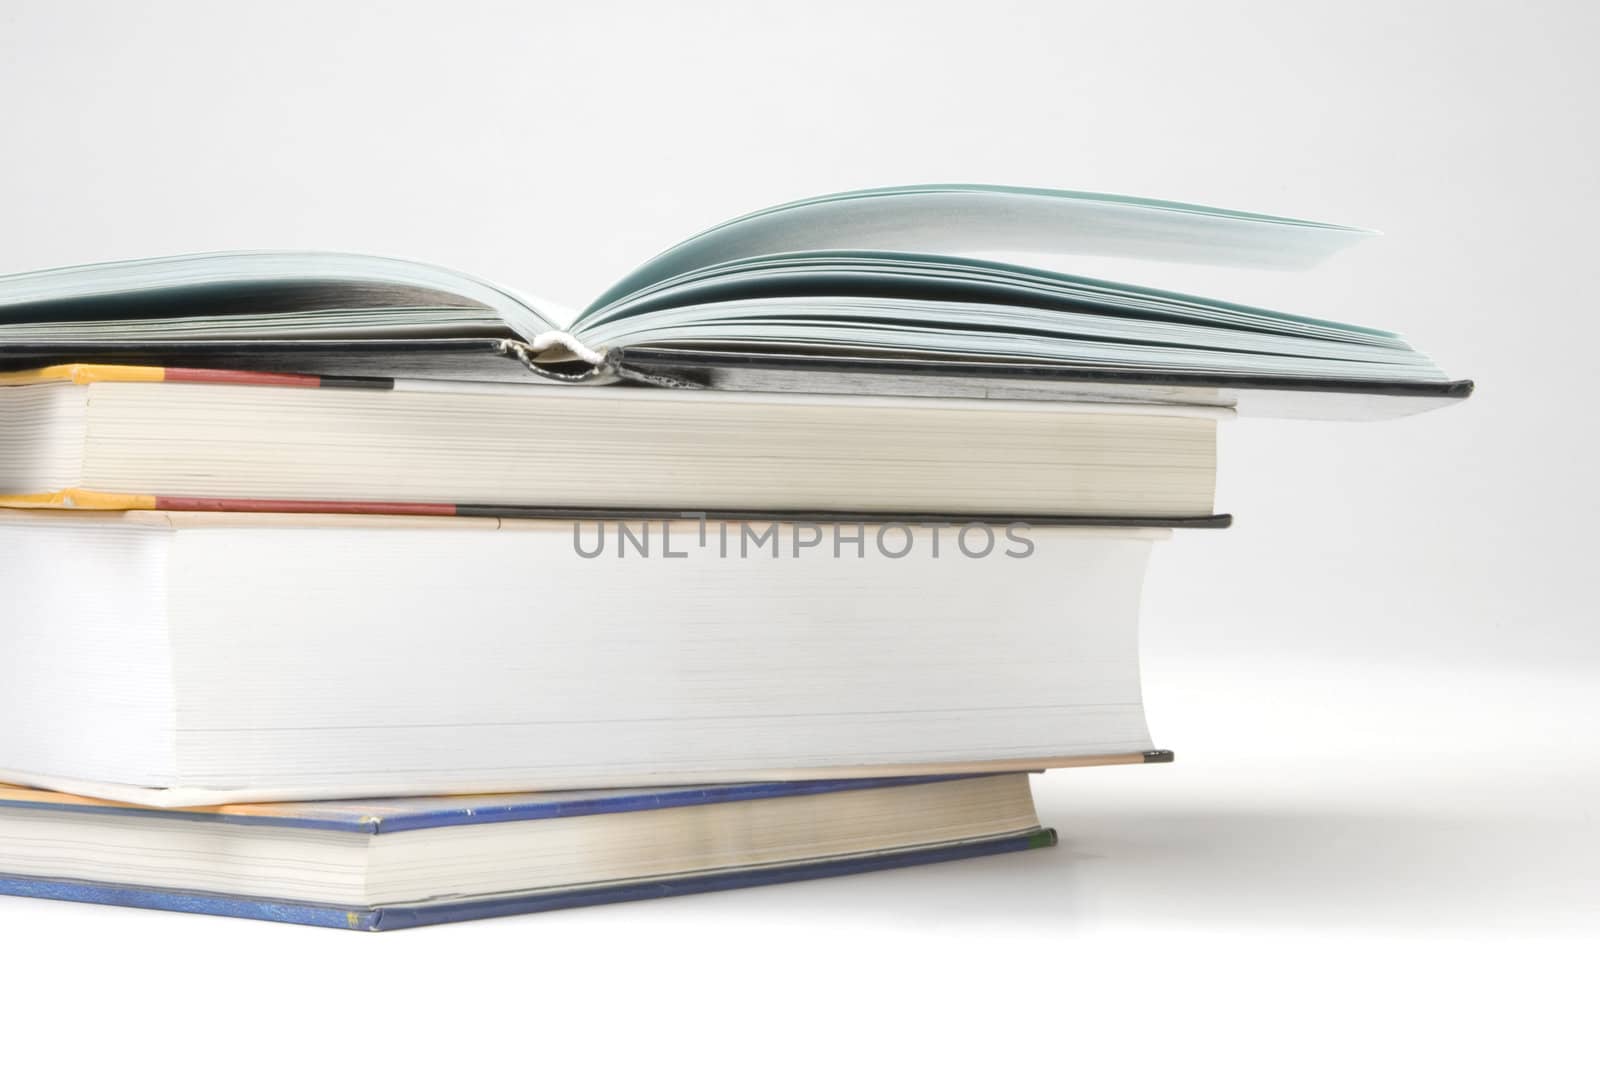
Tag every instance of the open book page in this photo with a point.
(953, 307)
(261, 295)
(959, 219)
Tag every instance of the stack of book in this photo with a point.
(359, 592)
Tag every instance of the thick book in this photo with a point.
(130, 437)
(854, 283)
(192, 658)
(389, 864)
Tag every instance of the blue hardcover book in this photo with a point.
(393, 863)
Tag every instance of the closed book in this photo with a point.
(127, 437)
(390, 864)
(185, 658)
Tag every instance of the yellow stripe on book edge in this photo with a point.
(84, 374)
(78, 498)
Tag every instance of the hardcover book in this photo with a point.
(130, 437)
(194, 658)
(391, 864)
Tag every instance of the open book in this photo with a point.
(862, 292)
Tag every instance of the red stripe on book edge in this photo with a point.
(253, 379)
(287, 505)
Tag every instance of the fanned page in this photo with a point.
(252, 295)
(868, 275)
(949, 307)
(956, 219)
(879, 271)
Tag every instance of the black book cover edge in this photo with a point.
(652, 364)
(688, 361)
(801, 516)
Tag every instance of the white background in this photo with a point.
(1379, 843)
